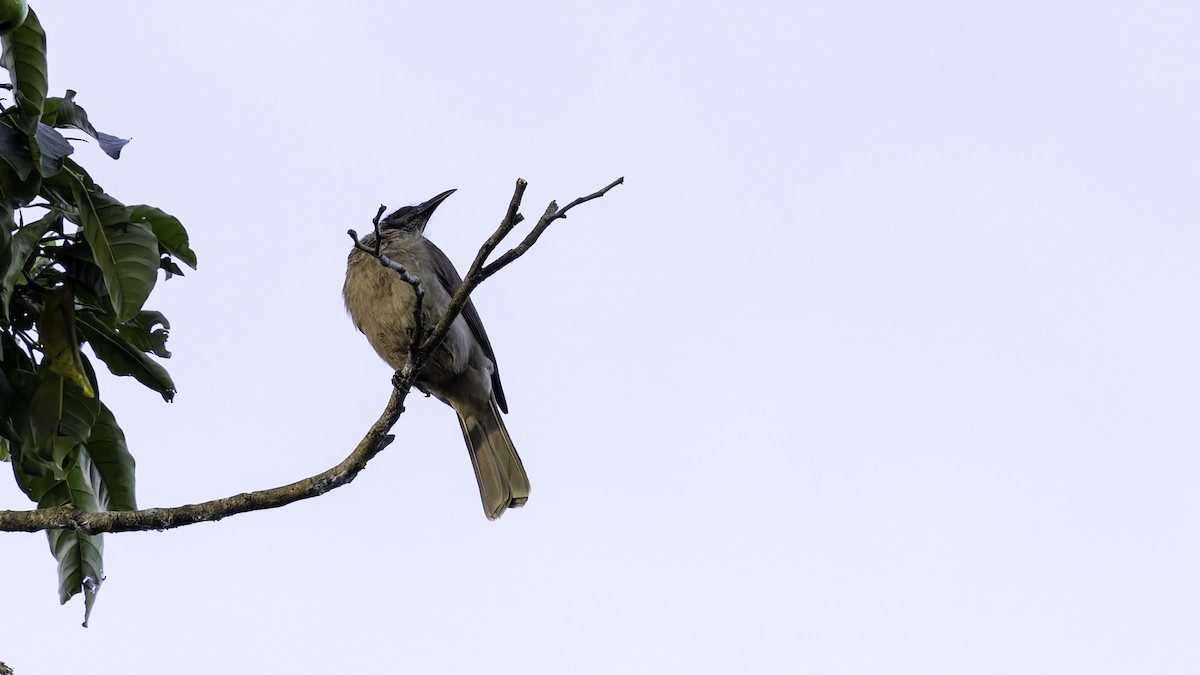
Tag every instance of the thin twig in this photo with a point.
(480, 271)
(375, 224)
(552, 214)
(408, 278)
(511, 217)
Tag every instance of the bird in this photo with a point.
(462, 371)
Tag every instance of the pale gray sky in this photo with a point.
(884, 359)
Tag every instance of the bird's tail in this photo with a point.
(502, 480)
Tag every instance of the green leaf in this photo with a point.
(10, 406)
(112, 461)
(13, 14)
(170, 232)
(19, 183)
(35, 475)
(80, 267)
(80, 566)
(88, 426)
(80, 556)
(126, 252)
(148, 331)
(18, 369)
(50, 108)
(122, 356)
(45, 412)
(19, 384)
(25, 59)
(51, 148)
(92, 471)
(59, 189)
(15, 150)
(8, 225)
(13, 258)
(111, 145)
(56, 331)
(64, 112)
(79, 412)
(35, 472)
(168, 265)
(17, 191)
(97, 475)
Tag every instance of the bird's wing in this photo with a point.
(450, 280)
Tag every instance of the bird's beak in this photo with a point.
(428, 207)
(426, 210)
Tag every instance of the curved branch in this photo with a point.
(69, 516)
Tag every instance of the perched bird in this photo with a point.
(462, 371)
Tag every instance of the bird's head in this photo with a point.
(413, 218)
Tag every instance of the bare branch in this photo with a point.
(552, 214)
(70, 517)
(512, 217)
(375, 224)
(479, 271)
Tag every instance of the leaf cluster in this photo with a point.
(81, 273)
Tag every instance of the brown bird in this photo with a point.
(462, 372)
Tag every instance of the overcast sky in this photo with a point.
(885, 359)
